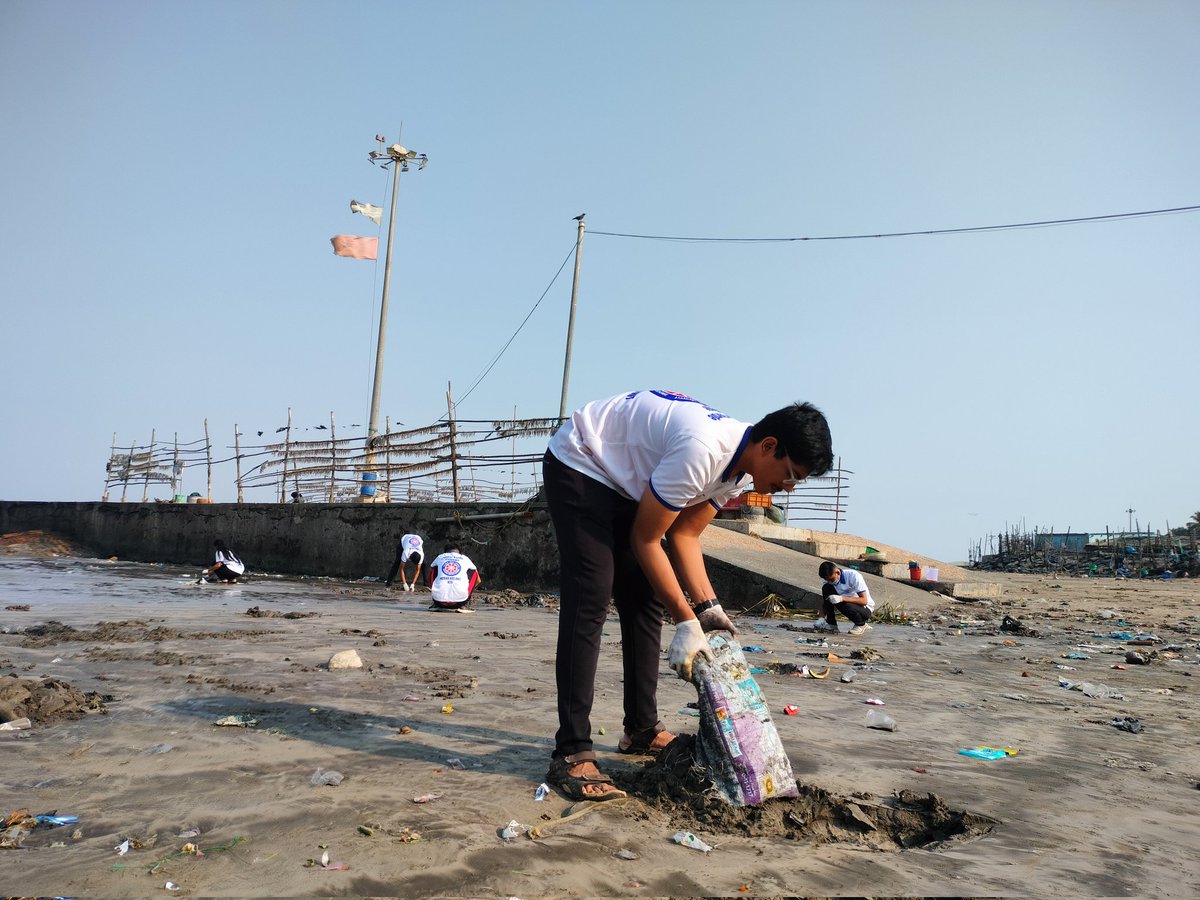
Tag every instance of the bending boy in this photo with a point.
(620, 475)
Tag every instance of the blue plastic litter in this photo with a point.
(56, 820)
(987, 752)
(753, 650)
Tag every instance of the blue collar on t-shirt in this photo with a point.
(736, 455)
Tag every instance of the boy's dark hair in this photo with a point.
(452, 548)
(826, 569)
(803, 434)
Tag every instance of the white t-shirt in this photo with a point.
(412, 543)
(679, 447)
(450, 581)
(232, 563)
(851, 584)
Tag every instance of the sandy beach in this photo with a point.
(459, 710)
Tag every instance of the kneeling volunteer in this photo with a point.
(453, 578)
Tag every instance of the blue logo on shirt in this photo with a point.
(450, 568)
(713, 414)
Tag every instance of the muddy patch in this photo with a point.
(446, 683)
(255, 613)
(45, 700)
(676, 785)
(508, 635)
(38, 544)
(131, 631)
(158, 657)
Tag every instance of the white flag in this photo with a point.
(374, 213)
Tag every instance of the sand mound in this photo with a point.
(677, 785)
(43, 701)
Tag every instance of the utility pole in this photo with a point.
(1131, 512)
(453, 449)
(562, 403)
(398, 158)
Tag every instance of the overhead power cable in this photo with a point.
(496, 358)
(1045, 223)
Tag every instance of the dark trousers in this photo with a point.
(592, 524)
(852, 611)
(416, 559)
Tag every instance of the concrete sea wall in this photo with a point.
(340, 540)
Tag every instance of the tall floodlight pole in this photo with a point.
(399, 159)
(562, 403)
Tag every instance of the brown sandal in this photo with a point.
(646, 743)
(573, 786)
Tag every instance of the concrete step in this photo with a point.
(844, 549)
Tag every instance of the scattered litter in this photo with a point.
(790, 710)
(448, 708)
(874, 701)
(122, 848)
(54, 821)
(1118, 666)
(834, 658)
(542, 791)
(189, 833)
(427, 798)
(1137, 658)
(847, 676)
(753, 649)
(513, 830)
(16, 725)
(1064, 668)
(324, 863)
(366, 830)
(237, 721)
(171, 886)
(625, 854)
(329, 777)
(1100, 691)
(806, 672)
(159, 748)
(455, 763)
(988, 752)
(1127, 723)
(412, 698)
(867, 654)
(690, 712)
(1075, 654)
(880, 720)
(687, 839)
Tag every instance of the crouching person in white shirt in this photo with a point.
(453, 578)
(844, 591)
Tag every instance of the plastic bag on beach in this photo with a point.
(737, 741)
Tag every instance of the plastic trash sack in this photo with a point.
(737, 741)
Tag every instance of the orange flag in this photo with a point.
(355, 247)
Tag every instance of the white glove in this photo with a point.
(715, 619)
(689, 640)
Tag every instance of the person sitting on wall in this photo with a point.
(844, 590)
(453, 578)
(227, 566)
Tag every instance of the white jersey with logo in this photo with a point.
(231, 562)
(680, 448)
(451, 583)
(412, 544)
(851, 584)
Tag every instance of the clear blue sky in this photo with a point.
(172, 174)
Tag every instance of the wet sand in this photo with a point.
(1083, 809)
